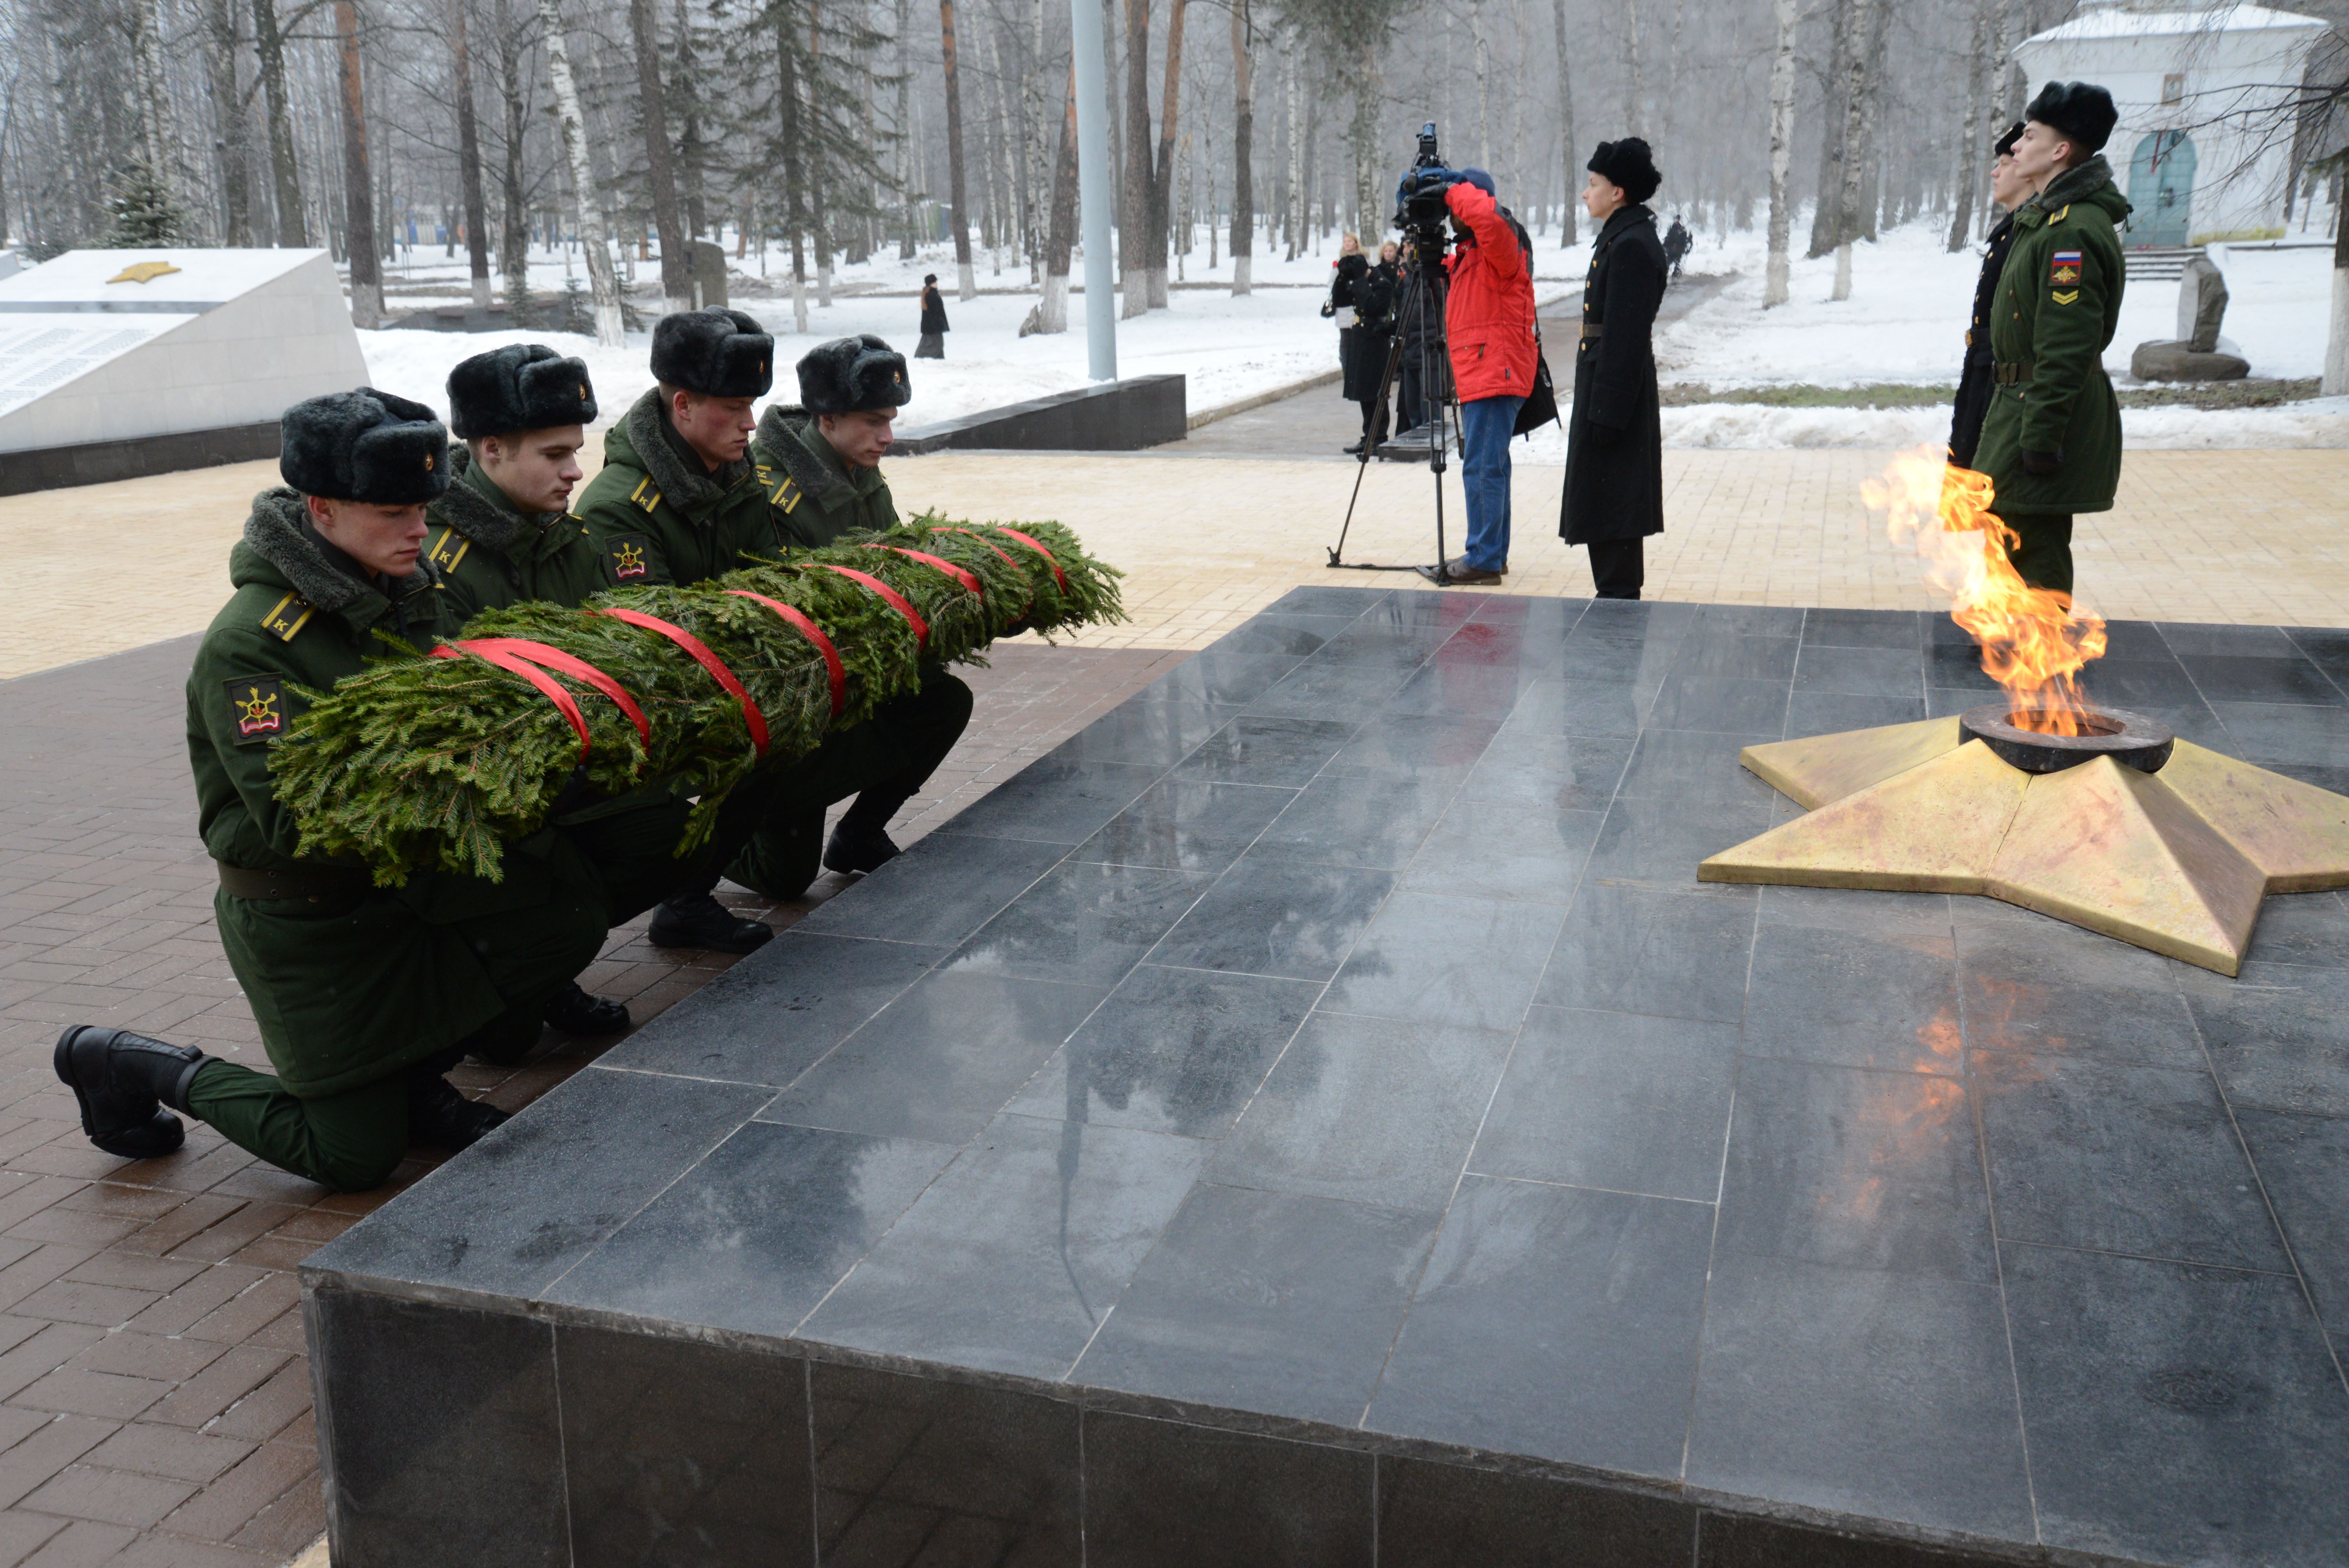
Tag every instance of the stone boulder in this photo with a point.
(2194, 356)
(2181, 362)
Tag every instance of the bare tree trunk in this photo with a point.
(819, 215)
(231, 145)
(1162, 177)
(595, 238)
(1134, 199)
(1782, 149)
(660, 178)
(1293, 213)
(158, 137)
(1635, 81)
(2001, 70)
(358, 186)
(795, 161)
(692, 162)
(1244, 150)
(1672, 72)
(1961, 210)
(967, 282)
(1051, 311)
(468, 154)
(1034, 193)
(1362, 135)
(1855, 129)
(271, 47)
(1827, 221)
(514, 233)
(905, 120)
(1566, 238)
(2336, 345)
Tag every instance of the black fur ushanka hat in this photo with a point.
(364, 446)
(716, 352)
(521, 387)
(2083, 111)
(1630, 164)
(852, 374)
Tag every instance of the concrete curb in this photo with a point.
(1209, 416)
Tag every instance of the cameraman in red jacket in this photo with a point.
(1488, 323)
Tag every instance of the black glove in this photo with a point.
(2040, 465)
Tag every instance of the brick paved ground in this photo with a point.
(154, 1395)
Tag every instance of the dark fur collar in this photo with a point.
(278, 530)
(790, 433)
(477, 516)
(683, 482)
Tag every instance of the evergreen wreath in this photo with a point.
(438, 761)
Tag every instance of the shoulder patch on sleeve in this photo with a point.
(2063, 267)
(627, 554)
(447, 549)
(256, 708)
(644, 495)
(287, 617)
(2064, 296)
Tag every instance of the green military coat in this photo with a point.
(489, 555)
(817, 496)
(353, 983)
(2059, 301)
(658, 515)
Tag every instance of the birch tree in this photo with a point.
(1978, 66)
(967, 282)
(1782, 149)
(1244, 150)
(660, 178)
(594, 237)
(1051, 311)
(269, 46)
(468, 154)
(1160, 194)
(1567, 237)
(1863, 21)
(358, 183)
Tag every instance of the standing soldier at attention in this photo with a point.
(1615, 438)
(365, 996)
(501, 536)
(1974, 383)
(2052, 440)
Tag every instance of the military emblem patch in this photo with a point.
(629, 551)
(2064, 268)
(257, 708)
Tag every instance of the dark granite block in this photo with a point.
(2123, 1158)
(1958, 666)
(1262, 749)
(2275, 1033)
(1613, 1100)
(940, 1061)
(514, 1211)
(2140, 684)
(1551, 617)
(1173, 1050)
(1377, 639)
(1443, 1516)
(1152, 733)
(2310, 928)
(1222, 676)
(1367, 1110)
(1589, 703)
(1348, 602)
(1083, 924)
(2177, 1414)
(1012, 1257)
(1738, 1540)
(1888, 1396)
(2201, 638)
(2123, 639)
(1159, 1494)
(1345, 819)
(1329, 689)
(1056, 800)
(1593, 1299)
(1188, 824)
(1297, 635)
(2030, 982)
(1482, 851)
(681, 1453)
(1520, 645)
(2269, 734)
(1425, 608)
(2193, 721)
(1265, 1301)
(1410, 745)
(772, 1016)
(1859, 1170)
(1653, 618)
(2326, 645)
(2292, 680)
(1659, 843)
(1461, 688)
(1527, 770)
(1849, 1000)
(1863, 629)
(2303, 1164)
(1468, 961)
(1720, 705)
(1692, 769)
(1925, 915)
(939, 888)
(919, 1471)
(1810, 713)
(1862, 672)
(1736, 657)
(437, 1433)
(752, 1237)
(1741, 620)
(1629, 949)
(1271, 916)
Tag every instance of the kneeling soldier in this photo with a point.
(365, 996)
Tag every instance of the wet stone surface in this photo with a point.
(1317, 1105)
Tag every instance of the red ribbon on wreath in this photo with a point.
(520, 656)
(700, 654)
(813, 634)
(890, 596)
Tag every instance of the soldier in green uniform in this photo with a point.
(820, 459)
(365, 996)
(502, 535)
(2052, 439)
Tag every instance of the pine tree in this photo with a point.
(146, 214)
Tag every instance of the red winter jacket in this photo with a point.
(1489, 316)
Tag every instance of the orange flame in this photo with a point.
(2034, 641)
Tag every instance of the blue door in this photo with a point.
(2161, 189)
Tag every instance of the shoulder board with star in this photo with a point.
(445, 551)
(287, 617)
(645, 495)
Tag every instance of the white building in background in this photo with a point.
(2190, 83)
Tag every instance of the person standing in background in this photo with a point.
(1974, 385)
(1374, 333)
(1677, 240)
(1614, 443)
(932, 343)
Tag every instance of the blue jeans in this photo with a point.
(1484, 428)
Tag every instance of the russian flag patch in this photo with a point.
(2065, 268)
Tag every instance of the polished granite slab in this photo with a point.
(1316, 1115)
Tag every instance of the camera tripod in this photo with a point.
(1422, 307)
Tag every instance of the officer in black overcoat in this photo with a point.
(1614, 441)
(1974, 382)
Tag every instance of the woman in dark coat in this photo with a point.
(1615, 444)
(1366, 359)
(933, 345)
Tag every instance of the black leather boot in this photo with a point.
(860, 842)
(698, 920)
(123, 1082)
(574, 1012)
(440, 1118)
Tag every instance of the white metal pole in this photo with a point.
(1096, 187)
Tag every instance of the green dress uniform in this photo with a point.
(490, 556)
(352, 984)
(2059, 302)
(817, 495)
(659, 515)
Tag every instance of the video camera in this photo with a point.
(1420, 210)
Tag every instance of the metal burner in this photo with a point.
(2131, 740)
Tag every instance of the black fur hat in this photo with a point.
(2083, 111)
(364, 446)
(1630, 164)
(521, 387)
(2006, 139)
(716, 352)
(852, 374)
